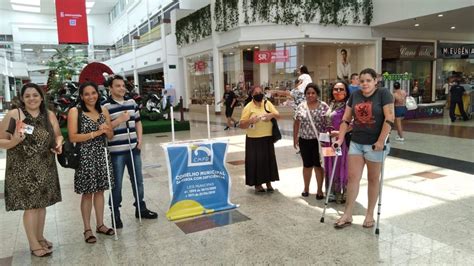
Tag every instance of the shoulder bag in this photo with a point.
(275, 129)
(70, 156)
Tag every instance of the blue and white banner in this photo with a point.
(199, 182)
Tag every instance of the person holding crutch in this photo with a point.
(125, 148)
(373, 113)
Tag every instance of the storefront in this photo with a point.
(415, 58)
(454, 61)
(199, 79)
(274, 66)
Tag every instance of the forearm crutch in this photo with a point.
(110, 190)
(338, 151)
(134, 175)
(379, 208)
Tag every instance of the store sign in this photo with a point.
(271, 56)
(410, 51)
(200, 66)
(455, 50)
(72, 21)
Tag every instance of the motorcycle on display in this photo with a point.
(153, 106)
(65, 100)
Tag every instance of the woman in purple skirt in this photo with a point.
(338, 98)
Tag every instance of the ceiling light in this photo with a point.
(231, 53)
(453, 28)
(256, 47)
(416, 25)
(49, 50)
(90, 4)
(440, 15)
(34, 9)
(88, 10)
(27, 50)
(79, 50)
(248, 49)
(26, 2)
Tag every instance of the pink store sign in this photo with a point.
(270, 56)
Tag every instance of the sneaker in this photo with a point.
(147, 214)
(118, 222)
(399, 139)
(332, 198)
(226, 128)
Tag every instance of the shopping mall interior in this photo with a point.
(177, 57)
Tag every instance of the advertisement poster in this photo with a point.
(343, 64)
(198, 180)
(72, 21)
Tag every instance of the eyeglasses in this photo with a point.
(338, 89)
(365, 80)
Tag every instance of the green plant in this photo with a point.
(63, 65)
(194, 27)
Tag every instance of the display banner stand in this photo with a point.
(199, 182)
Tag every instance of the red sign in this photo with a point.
(271, 56)
(200, 66)
(72, 21)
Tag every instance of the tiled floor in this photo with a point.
(427, 212)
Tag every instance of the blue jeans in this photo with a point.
(119, 161)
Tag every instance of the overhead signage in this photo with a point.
(416, 51)
(271, 56)
(455, 50)
(72, 22)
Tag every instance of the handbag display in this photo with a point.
(410, 103)
(70, 156)
(275, 129)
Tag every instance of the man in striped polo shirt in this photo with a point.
(125, 113)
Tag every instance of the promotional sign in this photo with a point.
(199, 181)
(270, 56)
(72, 21)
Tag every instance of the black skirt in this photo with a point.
(260, 161)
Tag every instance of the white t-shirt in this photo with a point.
(306, 80)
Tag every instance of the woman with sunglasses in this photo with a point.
(337, 105)
(373, 114)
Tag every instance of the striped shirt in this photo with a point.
(119, 143)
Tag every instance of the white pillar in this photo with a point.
(135, 70)
(7, 80)
(217, 62)
(378, 55)
(164, 50)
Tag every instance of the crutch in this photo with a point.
(110, 189)
(134, 175)
(338, 152)
(379, 208)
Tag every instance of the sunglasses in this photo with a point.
(339, 89)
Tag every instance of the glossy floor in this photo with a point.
(427, 214)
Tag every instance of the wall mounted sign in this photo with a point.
(407, 50)
(271, 56)
(72, 22)
(455, 50)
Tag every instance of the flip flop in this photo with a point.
(109, 232)
(368, 224)
(36, 254)
(46, 243)
(339, 225)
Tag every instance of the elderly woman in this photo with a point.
(260, 160)
(31, 176)
(309, 120)
(372, 110)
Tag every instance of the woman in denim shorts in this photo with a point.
(373, 114)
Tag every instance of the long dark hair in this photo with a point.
(81, 93)
(346, 88)
(43, 110)
(304, 69)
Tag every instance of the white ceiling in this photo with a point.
(461, 18)
(49, 7)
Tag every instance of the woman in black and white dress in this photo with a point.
(90, 178)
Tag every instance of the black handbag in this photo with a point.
(275, 129)
(71, 154)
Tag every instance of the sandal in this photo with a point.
(45, 243)
(91, 239)
(368, 224)
(37, 253)
(109, 231)
(341, 224)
